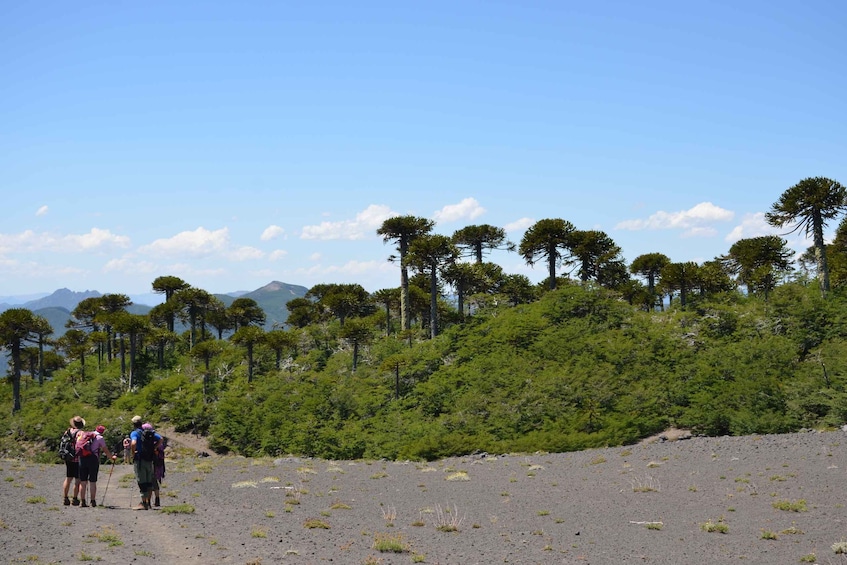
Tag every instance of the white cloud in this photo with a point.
(695, 221)
(32, 269)
(41, 211)
(245, 253)
(350, 269)
(752, 225)
(755, 225)
(29, 241)
(519, 225)
(186, 271)
(96, 238)
(363, 225)
(272, 232)
(199, 242)
(315, 257)
(700, 231)
(127, 265)
(361, 267)
(468, 208)
(277, 255)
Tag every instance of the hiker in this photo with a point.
(90, 446)
(127, 445)
(72, 466)
(158, 465)
(144, 444)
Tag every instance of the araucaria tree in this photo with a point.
(595, 254)
(476, 239)
(810, 204)
(649, 266)
(545, 240)
(429, 255)
(682, 277)
(17, 326)
(404, 230)
(759, 262)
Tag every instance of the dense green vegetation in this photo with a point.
(741, 344)
(578, 368)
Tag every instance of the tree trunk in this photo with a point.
(16, 376)
(820, 252)
(355, 355)
(551, 267)
(433, 302)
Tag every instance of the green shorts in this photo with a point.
(143, 474)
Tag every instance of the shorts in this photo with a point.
(144, 475)
(71, 469)
(89, 467)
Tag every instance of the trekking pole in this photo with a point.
(102, 502)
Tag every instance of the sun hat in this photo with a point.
(77, 422)
(100, 429)
(136, 419)
(147, 426)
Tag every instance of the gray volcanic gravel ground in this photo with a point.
(644, 503)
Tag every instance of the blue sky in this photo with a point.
(236, 143)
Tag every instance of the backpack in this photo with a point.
(67, 446)
(148, 445)
(84, 442)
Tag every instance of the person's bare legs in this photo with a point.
(66, 487)
(83, 485)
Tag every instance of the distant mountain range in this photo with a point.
(57, 307)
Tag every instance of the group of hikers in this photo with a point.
(82, 449)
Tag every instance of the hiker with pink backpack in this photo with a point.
(89, 446)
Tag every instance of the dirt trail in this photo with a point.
(147, 531)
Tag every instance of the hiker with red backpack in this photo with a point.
(145, 442)
(67, 451)
(89, 446)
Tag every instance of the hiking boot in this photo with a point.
(67, 501)
(156, 502)
(75, 501)
(93, 503)
(83, 504)
(141, 506)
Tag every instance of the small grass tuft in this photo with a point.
(178, 509)
(647, 485)
(315, 523)
(446, 520)
(389, 514)
(789, 506)
(712, 527)
(107, 535)
(387, 543)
